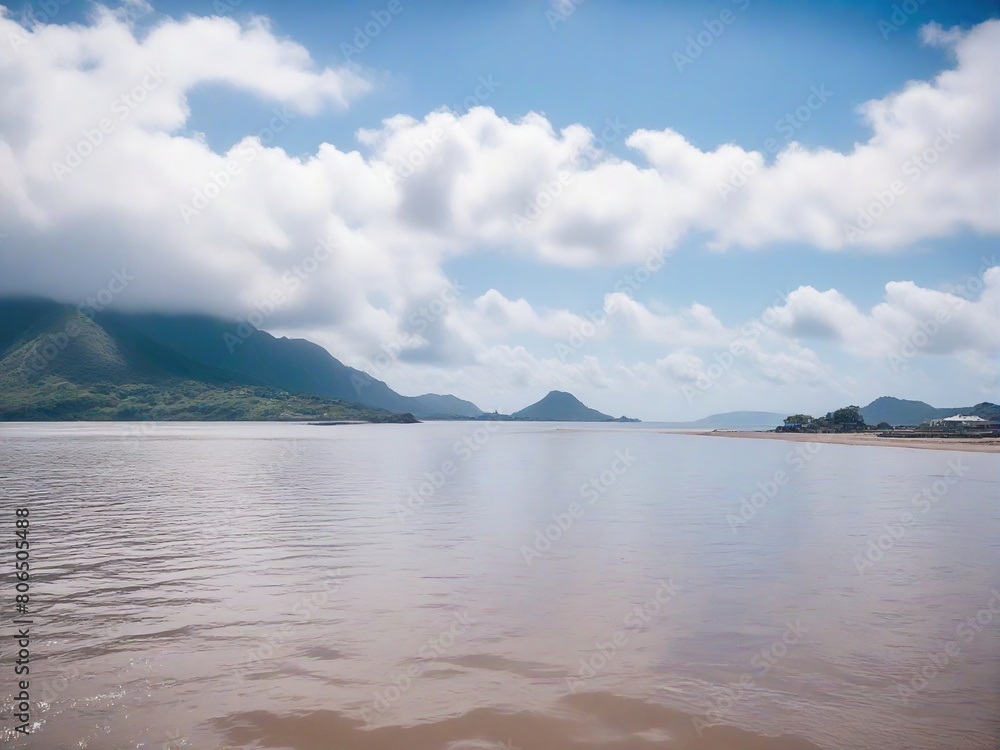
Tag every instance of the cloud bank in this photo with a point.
(98, 172)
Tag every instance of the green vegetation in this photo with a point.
(56, 399)
(58, 364)
(897, 411)
(559, 406)
(47, 338)
(847, 419)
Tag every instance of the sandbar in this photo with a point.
(968, 445)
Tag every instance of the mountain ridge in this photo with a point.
(91, 362)
(560, 406)
(292, 364)
(51, 354)
(898, 411)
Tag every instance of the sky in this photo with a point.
(669, 209)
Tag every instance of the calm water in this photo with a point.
(286, 586)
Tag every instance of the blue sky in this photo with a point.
(432, 53)
(576, 66)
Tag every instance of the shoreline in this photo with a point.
(968, 445)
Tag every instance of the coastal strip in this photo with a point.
(968, 445)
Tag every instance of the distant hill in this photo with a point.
(559, 406)
(731, 419)
(57, 363)
(898, 411)
(742, 419)
(433, 405)
(295, 365)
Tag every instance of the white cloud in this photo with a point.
(693, 326)
(495, 316)
(121, 205)
(462, 194)
(682, 366)
(931, 321)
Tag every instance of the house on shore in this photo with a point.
(960, 423)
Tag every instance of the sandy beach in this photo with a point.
(968, 445)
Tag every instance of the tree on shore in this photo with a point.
(847, 419)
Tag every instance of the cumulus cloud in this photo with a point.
(98, 171)
(469, 177)
(494, 315)
(693, 326)
(933, 321)
(94, 165)
(778, 348)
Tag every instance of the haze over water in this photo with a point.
(271, 586)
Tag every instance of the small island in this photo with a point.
(556, 406)
(979, 422)
(973, 429)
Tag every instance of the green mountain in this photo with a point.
(898, 411)
(559, 406)
(56, 363)
(438, 406)
(295, 365)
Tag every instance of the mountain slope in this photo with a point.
(295, 365)
(199, 348)
(56, 363)
(897, 411)
(434, 404)
(559, 406)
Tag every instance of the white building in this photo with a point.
(960, 422)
